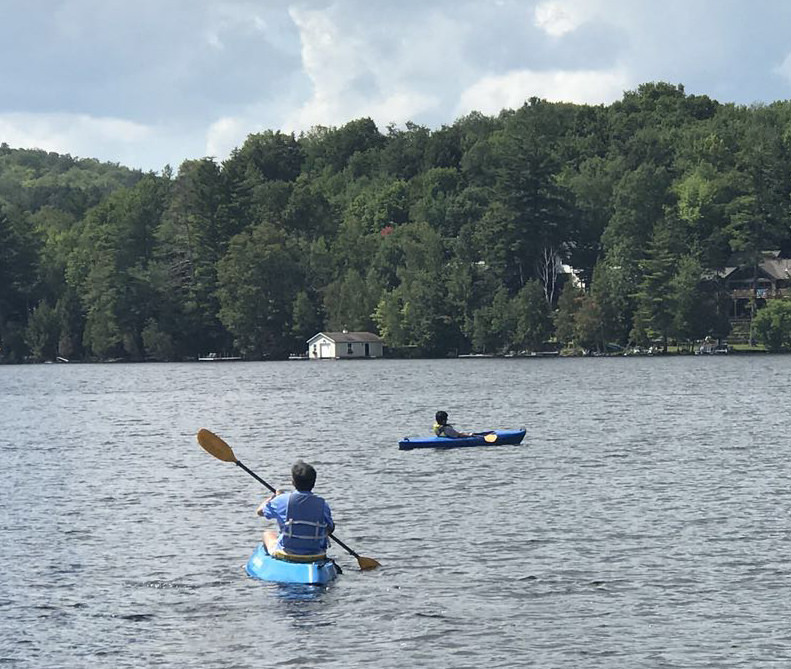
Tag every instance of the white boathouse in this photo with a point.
(345, 345)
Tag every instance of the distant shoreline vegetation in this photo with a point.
(638, 224)
(688, 349)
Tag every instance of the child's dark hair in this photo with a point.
(303, 476)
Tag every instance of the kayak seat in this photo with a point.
(289, 557)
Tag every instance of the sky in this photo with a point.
(150, 83)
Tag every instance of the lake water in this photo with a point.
(644, 522)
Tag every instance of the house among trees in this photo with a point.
(455, 240)
(767, 280)
(336, 345)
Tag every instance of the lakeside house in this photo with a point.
(767, 280)
(345, 345)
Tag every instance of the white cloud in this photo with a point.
(784, 69)
(229, 21)
(355, 74)
(69, 132)
(225, 134)
(132, 144)
(330, 60)
(214, 71)
(492, 94)
(558, 18)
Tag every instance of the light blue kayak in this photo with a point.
(485, 439)
(263, 566)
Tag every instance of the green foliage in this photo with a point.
(494, 325)
(389, 318)
(109, 268)
(416, 310)
(258, 283)
(615, 279)
(334, 148)
(533, 320)
(32, 179)
(564, 318)
(43, 332)
(306, 319)
(158, 344)
(444, 240)
(18, 251)
(654, 296)
(349, 304)
(267, 156)
(589, 333)
(773, 326)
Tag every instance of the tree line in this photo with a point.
(442, 241)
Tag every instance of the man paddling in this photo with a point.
(304, 519)
(444, 429)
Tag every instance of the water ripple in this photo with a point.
(643, 523)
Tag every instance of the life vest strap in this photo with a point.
(319, 529)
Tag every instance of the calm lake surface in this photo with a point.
(644, 522)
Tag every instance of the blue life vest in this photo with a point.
(305, 532)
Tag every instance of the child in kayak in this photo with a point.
(444, 429)
(304, 519)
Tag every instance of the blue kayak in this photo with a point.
(263, 566)
(492, 438)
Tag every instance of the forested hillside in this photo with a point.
(442, 241)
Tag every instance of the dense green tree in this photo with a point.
(17, 281)
(306, 319)
(638, 203)
(589, 333)
(569, 304)
(615, 280)
(494, 325)
(535, 210)
(438, 238)
(655, 293)
(697, 306)
(533, 319)
(192, 236)
(702, 195)
(109, 268)
(308, 212)
(334, 148)
(349, 304)
(773, 326)
(158, 343)
(43, 332)
(389, 318)
(436, 189)
(419, 299)
(70, 317)
(259, 280)
(268, 156)
(591, 186)
(31, 179)
(402, 155)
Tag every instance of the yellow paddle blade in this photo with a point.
(215, 445)
(366, 563)
(490, 438)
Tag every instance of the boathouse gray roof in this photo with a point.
(349, 337)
